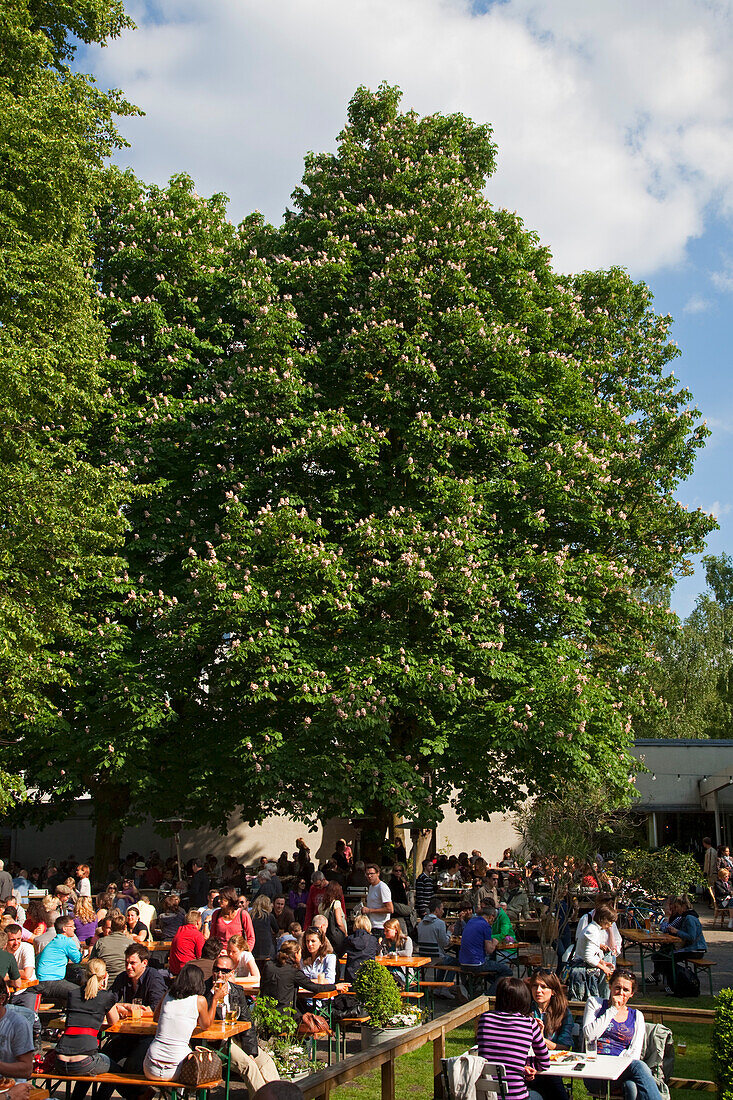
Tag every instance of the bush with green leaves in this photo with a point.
(377, 993)
(722, 1044)
(660, 872)
(271, 1020)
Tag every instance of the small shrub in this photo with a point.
(722, 1044)
(271, 1021)
(377, 993)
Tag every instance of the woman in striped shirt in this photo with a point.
(507, 1034)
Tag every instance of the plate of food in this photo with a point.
(562, 1056)
(6, 1083)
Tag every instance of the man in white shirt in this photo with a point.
(22, 951)
(379, 907)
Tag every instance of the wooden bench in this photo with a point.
(138, 1079)
(692, 1083)
(342, 1026)
(704, 965)
(431, 988)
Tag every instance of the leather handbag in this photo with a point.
(312, 1024)
(199, 1067)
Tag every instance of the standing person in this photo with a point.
(318, 887)
(231, 920)
(331, 907)
(710, 862)
(83, 885)
(298, 900)
(77, 1051)
(198, 888)
(478, 949)
(265, 929)
(424, 888)
(183, 1009)
(620, 1031)
(6, 883)
(509, 1032)
(723, 891)
(379, 907)
(85, 919)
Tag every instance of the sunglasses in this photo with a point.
(222, 969)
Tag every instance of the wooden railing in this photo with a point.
(386, 1054)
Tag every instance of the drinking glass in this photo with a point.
(682, 1046)
(591, 1050)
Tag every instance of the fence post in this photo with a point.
(388, 1084)
(438, 1055)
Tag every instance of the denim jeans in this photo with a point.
(491, 967)
(637, 1083)
(91, 1066)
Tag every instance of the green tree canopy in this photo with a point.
(60, 511)
(428, 577)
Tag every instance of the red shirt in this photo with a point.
(241, 925)
(186, 945)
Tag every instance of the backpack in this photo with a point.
(687, 983)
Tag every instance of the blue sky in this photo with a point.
(614, 122)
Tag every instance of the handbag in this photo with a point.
(312, 1024)
(199, 1067)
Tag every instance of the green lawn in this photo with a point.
(414, 1072)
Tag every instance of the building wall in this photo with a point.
(671, 784)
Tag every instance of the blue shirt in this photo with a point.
(472, 951)
(51, 963)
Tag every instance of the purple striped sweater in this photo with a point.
(514, 1041)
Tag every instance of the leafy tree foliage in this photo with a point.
(429, 575)
(659, 873)
(59, 511)
(691, 689)
(178, 291)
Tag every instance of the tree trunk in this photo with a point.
(372, 839)
(111, 804)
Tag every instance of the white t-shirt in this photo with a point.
(26, 956)
(84, 888)
(377, 895)
(245, 959)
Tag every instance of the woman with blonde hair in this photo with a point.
(85, 919)
(244, 960)
(265, 929)
(87, 1010)
(396, 942)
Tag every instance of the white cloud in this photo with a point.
(613, 120)
(697, 304)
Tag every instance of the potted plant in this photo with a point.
(379, 998)
(276, 1029)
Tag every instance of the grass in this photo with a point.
(414, 1072)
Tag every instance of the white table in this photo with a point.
(605, 1067)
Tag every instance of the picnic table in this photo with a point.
(219, 1032)
(407, 963)
(647, 941)
(605, 1067)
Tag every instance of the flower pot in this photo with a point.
(373, 1036)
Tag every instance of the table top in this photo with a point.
(27, 983)
(606, 1067)
(640, 935)
(218, 1031)
(159, 945)
(405, 960)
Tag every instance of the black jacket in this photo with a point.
(246, 1039)
(283, 983)
(151, 989)
(358, 948)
